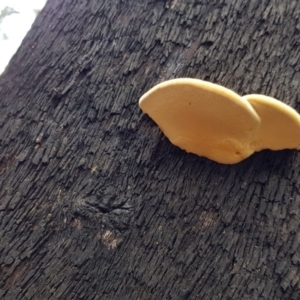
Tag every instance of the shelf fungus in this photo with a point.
(280, 124)
(212, 121)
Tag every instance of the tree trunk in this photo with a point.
(96, 203)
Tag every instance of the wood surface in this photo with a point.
(95, 203)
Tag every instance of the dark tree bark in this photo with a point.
(96, 203)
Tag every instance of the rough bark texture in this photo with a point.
(96, 203)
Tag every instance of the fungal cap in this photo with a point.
(203, 118)
(280, 124)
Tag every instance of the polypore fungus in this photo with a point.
(203, 118)
(280, 124)
(212, 121)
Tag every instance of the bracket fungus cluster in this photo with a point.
(212, 121)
